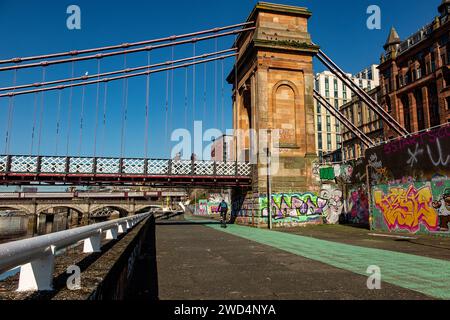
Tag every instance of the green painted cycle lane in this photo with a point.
(426, 275)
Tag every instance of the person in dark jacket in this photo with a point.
(223, 208)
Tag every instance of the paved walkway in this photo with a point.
(197, 260)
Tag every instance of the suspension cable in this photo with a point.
(193, 87)
(126, 76)
(80, 141)
(10, 118)
(222, 98)
(69, 114)
(215, 88)
(171, 100)
(116, 53)
(185, 97)
(41, 117)
(166, 144)
(147, 106)
(96, 110)
(124, 45)
(124, 89)
(128, 70)
(105, 101)
(58, 118)
(204, 92)
(33, 129)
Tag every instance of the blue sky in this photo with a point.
(39, 27)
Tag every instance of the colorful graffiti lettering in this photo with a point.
(293, 205)
(408, 208)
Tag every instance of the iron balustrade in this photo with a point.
(118, 166)
(36, 256)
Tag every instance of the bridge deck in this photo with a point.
(197, 260)
(86, 171)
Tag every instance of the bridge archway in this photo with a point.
(122, 210)
(17, 208)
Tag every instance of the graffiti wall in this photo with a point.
(413, 208)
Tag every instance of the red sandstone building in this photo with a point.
(415, 75)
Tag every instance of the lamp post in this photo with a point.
(269, 182)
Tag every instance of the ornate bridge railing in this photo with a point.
(41, 166)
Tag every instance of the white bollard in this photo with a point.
(93, 243)
(38, 274)
(112, 233)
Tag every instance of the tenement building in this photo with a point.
(414, 75)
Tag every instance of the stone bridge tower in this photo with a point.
(273, 90)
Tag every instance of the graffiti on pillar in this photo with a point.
(407, 208)
(441, 202)
(334, 204)
(359, 206)
(306, 207)
(202, 208)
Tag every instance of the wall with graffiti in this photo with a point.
(414, 208)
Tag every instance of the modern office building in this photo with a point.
(328, 129)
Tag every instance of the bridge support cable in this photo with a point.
(10, 118)
(147, 107)
(80, 137)
(362, 94)
(223, 98)
(205, 75)
(166, 124)
(193, 85)
(69, 113)
(124, 45)
(97, 106)
(171, 99)
(124, 102)
(185, 98)
(122, 71)
(41, 115)
(347, 123)
(215, 87)
(58, 122)
(127, 75)
(117, 53)
(105, 105)
(33, 129)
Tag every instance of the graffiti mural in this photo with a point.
(334, 204)
(358, 206)
(307, 206)
(407, 208)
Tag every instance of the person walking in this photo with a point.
(223, 207)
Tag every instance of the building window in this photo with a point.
(336, 104)
(320, 142)
(319, 108)
(319, 123)
(327, 83)
(329, 144)
(328, 124)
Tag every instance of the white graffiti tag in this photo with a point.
(414, 155)
(440, 161)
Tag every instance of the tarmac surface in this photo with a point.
(198, 260)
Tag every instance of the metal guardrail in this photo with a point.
(119, 166)
(36, 256)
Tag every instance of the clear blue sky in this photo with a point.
(38, 27)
